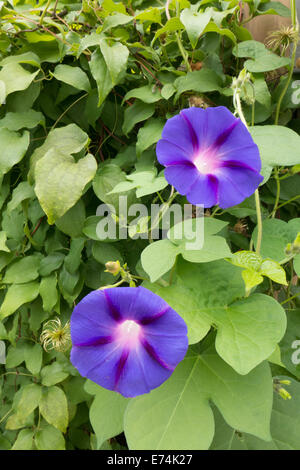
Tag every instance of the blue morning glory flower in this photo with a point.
(127, 339)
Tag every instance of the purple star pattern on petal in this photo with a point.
(210, 157)
(127, 339)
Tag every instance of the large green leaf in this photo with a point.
(201, 81)
(186, 305)
(54, 408)
(172, 26)
(25, 58)
(3, 240)
(285, 426)
(15, 77)
(33, 356)
(115, 56)
(178, 416)
(148, 135)
(278, 146)
(147, 94)
(290, 344)
(29, 401)
(48, 292)
(24, 440)
(71, 223)
(23, 119)
(107, 178)
(60, 181)
(49, 438)
(106, 412)
(22, 192)
(23, 270)
(116, 19)
(101, 75)
(17, 295)
(66, 140)
(247, 329)
(53, 374)
(274, 8)
(73, 76)
(145, 182)
(138, 112)
(13, 148)
(194, 23)
(262, 60)
(275, 237)
(213, 28)
(254, 268)
(159, 257)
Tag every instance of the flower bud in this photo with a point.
(296, 244)
(284, 394)
(288, 249)
(113, 267)
(285, 382)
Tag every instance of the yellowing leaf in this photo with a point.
(60, 182)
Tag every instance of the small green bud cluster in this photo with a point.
(115, 268)
(243, 86)
(293, 248)
(280, 390)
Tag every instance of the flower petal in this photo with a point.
(209, 124)
(97, 363)
(146, 339)
(169, 153)
(123, 301)
(177, 131)
(239, 146)
(170, 349)
(170, 324)
(236, 183)
(91, 318)
(141, 373)
(204, 191)
(182, 177)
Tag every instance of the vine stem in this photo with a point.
(66, 110)
(167, 10)
(295, 42)
(290, 298)
(276, 176)
(45, 11)
(180, 45)
(238, 106)
(290, 200)
(259, 222)
(282, 95)
(5, 416)
(117, 284)
(162, 211)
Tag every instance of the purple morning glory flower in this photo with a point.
(210, 157)
(127, 339)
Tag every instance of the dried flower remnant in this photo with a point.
(55, 336)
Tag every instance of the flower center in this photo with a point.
(129, 332)
(205, 162)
